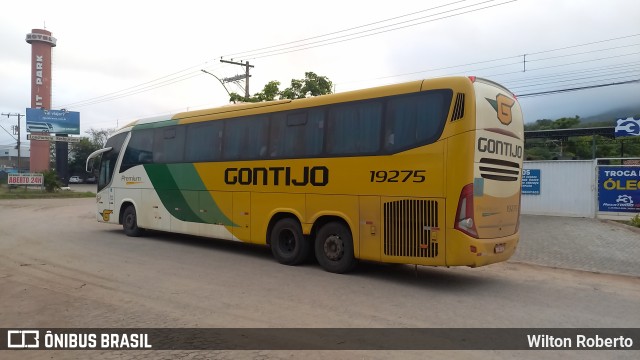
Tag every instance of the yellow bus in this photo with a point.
(426, 172)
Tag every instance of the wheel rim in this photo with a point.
(334, 248)
(129, 221)
(286, 241)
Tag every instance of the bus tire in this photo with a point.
(288, 245)
(130, 222)
(334, 248)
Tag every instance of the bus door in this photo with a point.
(241, 215)
(105, 195)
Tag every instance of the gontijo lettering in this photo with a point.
(499, 147)
(281, 175)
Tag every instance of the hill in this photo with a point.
(612, 115)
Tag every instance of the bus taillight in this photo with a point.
(464, 215)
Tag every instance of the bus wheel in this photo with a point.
(130, 222)
(288, 244)
(334, 248)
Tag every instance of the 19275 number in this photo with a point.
(395, 176)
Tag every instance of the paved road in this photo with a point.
(60, 268)
(579, 243)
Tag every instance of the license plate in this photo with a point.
(499, 248)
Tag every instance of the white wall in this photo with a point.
(567, 188)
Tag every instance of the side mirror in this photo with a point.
(89, 164)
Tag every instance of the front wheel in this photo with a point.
(334, 248)
(130, 222)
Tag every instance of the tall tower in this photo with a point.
(41, 43)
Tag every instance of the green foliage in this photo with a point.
(546, 124)
(81, 150)
(311, 85)
(635, 221)
(580, 147)
(51, 181)
(234, 97)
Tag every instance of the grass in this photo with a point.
(31, 193)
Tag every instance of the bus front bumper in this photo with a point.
(463, 250)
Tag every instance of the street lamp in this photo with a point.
(221, 83)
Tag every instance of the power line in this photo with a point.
(573, 73)
(585, 44)
(557, 91)
(153, 84)
(244, 53)
(500, 59)
(141, 88)
(311, 46)
(576, 75)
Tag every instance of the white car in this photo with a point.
(75, 180)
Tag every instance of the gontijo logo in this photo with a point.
(502, 105)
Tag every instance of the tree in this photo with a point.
(80, 151)
(98, 137)
(311, 85)
(83, 148)
(566, 123)
(579, 147)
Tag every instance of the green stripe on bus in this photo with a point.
(187, 177)
(183, 194)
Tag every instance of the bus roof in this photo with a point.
(236, 110)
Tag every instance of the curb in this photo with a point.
(619, 224)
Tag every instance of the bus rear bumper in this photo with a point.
(463, 250)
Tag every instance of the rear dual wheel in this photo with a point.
(334, 248)
(333, 245)
(288, 245)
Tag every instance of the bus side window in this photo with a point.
(204, 141)
(296, 134)
(354, 128)
(245, 138)
(168, 144)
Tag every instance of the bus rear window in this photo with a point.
(416, 119)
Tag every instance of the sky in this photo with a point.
(119, 61)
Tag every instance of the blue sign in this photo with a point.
(530, 181)
(619, 188)
(627, 127)
(53, 121)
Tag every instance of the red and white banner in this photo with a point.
(25, 179)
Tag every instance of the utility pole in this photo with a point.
(237, 77)
(18, 139)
